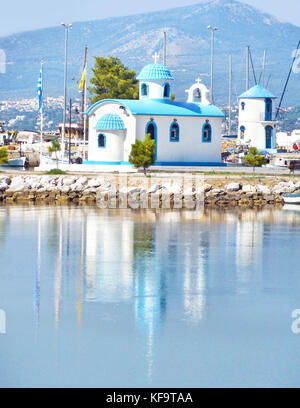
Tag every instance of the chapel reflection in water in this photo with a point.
(111, 257)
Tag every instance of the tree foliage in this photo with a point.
(3, 155)
(143, 153)
(112, 80)
(254, 159)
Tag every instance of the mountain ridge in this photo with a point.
(136, 37)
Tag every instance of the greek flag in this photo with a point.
(40, 90)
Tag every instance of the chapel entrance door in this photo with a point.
(152, 130)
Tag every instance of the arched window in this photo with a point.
(101, 140)
(166, 91)
(206, 133)
(243, 106)
(144, 90)
(242, 130)
(174, 132)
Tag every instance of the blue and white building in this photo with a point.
(185, 133)
(257, 124)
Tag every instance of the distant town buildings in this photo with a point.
(23, 114)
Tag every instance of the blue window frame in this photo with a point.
(242, 130)
(206, 133)
(243, 106)
(145, 90)
(101, 141)
(166, 90)
(174, 132)
(269, 137)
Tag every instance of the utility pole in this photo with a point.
(70, 124)
(213, 29)
(230, 86)
(67, 27)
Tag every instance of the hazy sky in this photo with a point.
(19, 15)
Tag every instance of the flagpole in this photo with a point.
(42, 107)
(84, 114)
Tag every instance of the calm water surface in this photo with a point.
(120, 299)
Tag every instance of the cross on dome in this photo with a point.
(156, 57)
(198, 80)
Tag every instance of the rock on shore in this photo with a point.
(87, 190)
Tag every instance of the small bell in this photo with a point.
(198, 94)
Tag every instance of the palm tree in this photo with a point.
(54, 148)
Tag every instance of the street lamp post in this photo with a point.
(70, 131)
(213, 29)
(67, 27)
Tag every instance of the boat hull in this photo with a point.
(20, 162)
(292, 198)
(50, 160)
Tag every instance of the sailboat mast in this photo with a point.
(247, 68)
(264, 68)
(230, 87)
(287, 81)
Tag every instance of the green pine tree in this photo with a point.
(112, 80)
(143, 153)
(254, 159)
(3, 155)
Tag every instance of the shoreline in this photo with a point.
(159, 191)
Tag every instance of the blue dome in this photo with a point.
(110, 122)
(257, 92)
(155, 71)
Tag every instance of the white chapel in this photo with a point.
(185, 133)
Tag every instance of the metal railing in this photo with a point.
(267, 118)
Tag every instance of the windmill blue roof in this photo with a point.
(110, 122)
(155, 71)
(160, 107)
(257, 92)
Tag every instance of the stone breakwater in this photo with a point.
(85, 190)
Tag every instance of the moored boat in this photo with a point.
(19, 162)
(291, 198)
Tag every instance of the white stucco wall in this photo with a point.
(190, 147)
(118, 142)
(253, 119)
